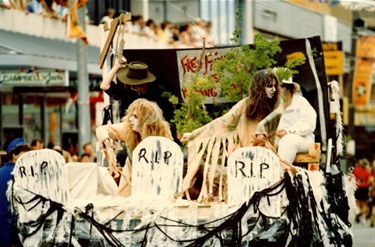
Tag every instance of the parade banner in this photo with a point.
(363, 74)
(188, 63)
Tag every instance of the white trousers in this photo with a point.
(290, 145)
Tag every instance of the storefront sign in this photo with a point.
(364, 69)
(333, 58)
(32, 78)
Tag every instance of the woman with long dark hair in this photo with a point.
(248, 123)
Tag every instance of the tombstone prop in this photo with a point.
(252, 169)
(157, 168)
(39, 191)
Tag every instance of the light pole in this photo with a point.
(84, 116)
(357, 24)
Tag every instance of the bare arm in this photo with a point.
(106, 83)
(111, 131)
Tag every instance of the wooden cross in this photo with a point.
(114, 24)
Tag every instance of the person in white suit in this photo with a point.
(295, 131)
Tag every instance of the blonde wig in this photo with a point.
(151, 120)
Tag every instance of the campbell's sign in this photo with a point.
(32, 78)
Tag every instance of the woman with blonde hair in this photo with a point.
(143, 118)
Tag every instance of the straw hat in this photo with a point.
(135, 73)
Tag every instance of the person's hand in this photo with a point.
(121, 63)
(261, 137)
(185, 137)
(281, 133)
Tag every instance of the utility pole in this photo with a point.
(357, 23)
(84, 116)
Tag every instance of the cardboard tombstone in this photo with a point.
(252, 169)
(39, 177)
(157, 165)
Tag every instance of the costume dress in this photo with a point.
(215, 141)
(7, 220)
(299, 120)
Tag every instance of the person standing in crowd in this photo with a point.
(8, 224)
(186, 35)
(8, 4)
(107, 15)
(37, 7)
(250, 121)
(297, 124)
(89, 149)
(85, 158)
(198, 33)
(143, 118)
(371, 201)
(37, 144)
(362, 176)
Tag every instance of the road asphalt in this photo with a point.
(363, 234)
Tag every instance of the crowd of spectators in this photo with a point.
(192, 34)
(49, 8)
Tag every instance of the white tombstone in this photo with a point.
(40, 180)
(40, 173)
(252, 169)
(157, 166)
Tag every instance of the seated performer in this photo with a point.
(143, 118)
(248, 123)
(296, 128)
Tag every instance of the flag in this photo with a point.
(74, 28)
(362, 79)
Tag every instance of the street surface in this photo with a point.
(364, 235)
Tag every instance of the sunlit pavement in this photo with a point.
(364, 235)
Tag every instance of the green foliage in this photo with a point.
(240, 63)
(192, 113)
(237, 29)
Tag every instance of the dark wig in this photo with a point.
(258, 104)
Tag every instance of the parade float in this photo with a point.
(261, 204)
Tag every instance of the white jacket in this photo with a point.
(299, 118)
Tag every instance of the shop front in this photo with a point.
(38, 89)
